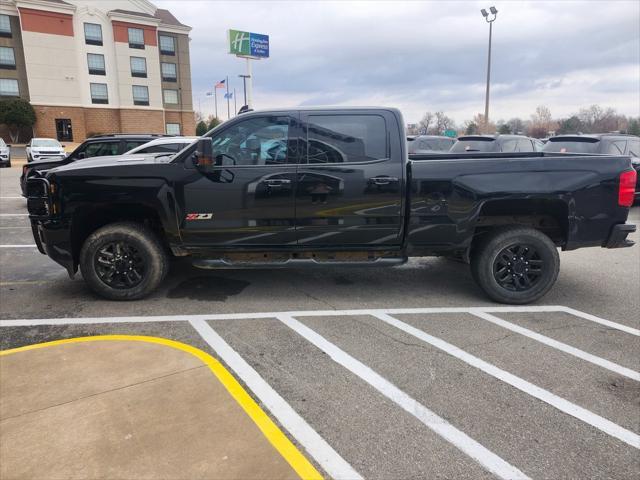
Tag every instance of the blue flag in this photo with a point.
(228, 95)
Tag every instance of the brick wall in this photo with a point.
(89, 121)
(186, 120)
(141, 121)
(102, 120)
(46, 121)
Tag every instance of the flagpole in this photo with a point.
(228, 104)
(215, 99)
(235, 103)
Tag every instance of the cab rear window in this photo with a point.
(587, 145)
(475, 145)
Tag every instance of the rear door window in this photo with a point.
(102, 148)
(130, 144)
(346, 138)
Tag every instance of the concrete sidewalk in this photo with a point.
(125, 409)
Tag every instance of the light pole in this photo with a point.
(244, 86)
(489, 19)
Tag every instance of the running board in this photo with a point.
(222, 263)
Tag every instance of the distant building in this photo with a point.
(90, 66)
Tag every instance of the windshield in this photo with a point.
(476, 145)
(587, 145)
(2, 144)
(46, 143)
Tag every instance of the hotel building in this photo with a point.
(96, 66)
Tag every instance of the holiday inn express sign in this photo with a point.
(247, 44)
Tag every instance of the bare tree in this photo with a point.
(426, 122)
(596, 119)
(542, 123)
(516, 125)
(442, 123)
(484, 127)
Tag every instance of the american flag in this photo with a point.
(220, 84)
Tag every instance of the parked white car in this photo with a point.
(163, 145)
(5, 154)
(43, 149)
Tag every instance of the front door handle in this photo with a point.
(278, 182)
(383, 180)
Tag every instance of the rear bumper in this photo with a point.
(618, 236)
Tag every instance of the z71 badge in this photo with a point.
(199, 216)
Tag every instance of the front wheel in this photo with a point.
(123, 261)
(515, 265)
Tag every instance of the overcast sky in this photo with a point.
(423, 55)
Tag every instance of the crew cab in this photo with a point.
(326, 187)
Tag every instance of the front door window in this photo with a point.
(256, 141)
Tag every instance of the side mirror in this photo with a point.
(63, 146)
(82, 155)
(204, 153)
(8, 145)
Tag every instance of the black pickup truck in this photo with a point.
(326, 187)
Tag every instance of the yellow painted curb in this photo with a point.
(276, 437)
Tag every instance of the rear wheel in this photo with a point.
(515, 265)
(123, 261)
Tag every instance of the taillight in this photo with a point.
(627, 188)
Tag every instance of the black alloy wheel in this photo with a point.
(120, 265)
(518, 267)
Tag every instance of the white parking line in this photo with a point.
(439, 425)
(563, 347)
(31, 245)
(302, 313)
(14, 214)
(7, 198)
(312, 442)
(560, 403)
(602, 321)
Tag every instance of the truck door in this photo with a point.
(247, 197)
(349, 185)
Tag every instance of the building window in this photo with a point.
(138, 67)
(169, 72)
(172, 128)
(96, 64)
(99, 93)
(7, 58)
(136, 38)
(167, 45)
(92, 34)
(140, 95)
(5, 26)
(170, 96)
(9, 87)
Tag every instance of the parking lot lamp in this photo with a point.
(489, 17)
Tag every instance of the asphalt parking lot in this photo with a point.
(407, 372)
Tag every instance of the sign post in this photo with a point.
(252, 46)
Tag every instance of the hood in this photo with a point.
(116, 161)
(5, 149)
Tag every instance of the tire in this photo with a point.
(518, 282)
(123, 261)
